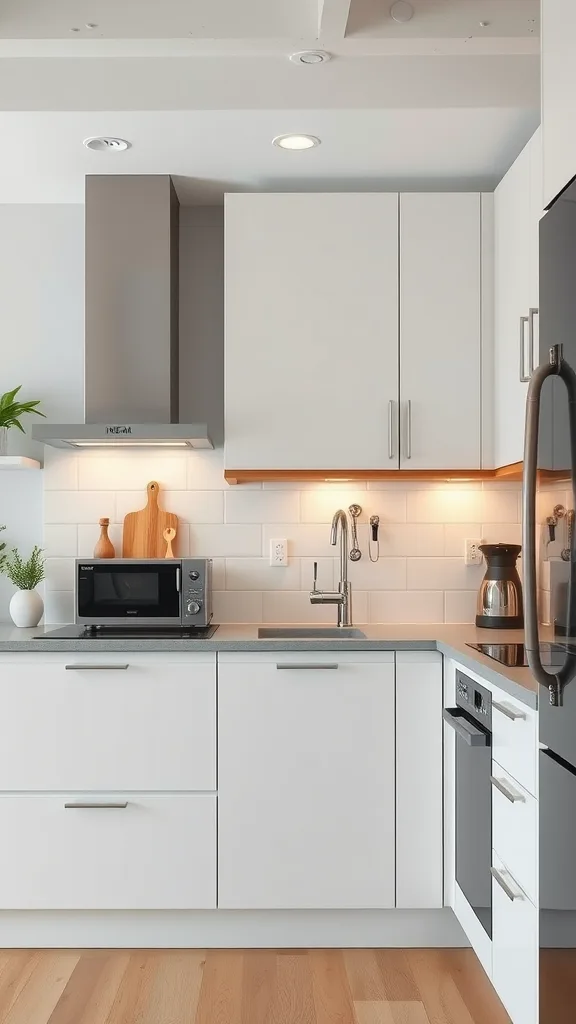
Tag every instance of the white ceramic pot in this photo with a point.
(26, 608)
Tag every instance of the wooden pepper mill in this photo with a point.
(104, 547)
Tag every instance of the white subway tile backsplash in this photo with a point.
(460, 606)
(450, 504)
(385, 574)
(88, 535)
(262, 506)
(237, 606)
(443, 574)
(120, 471)
(258, 574)
(60, 541)
(58, 607)
(319, 506)
(189, 506)
(296, 607)
(455, 535)
(78, 506)
(225, 541)
(60, 470)
(59, 573)
(406, 606)
(501, 507)
(410, 539)
(502, 533)
(420, 576)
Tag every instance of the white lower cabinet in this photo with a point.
(514, 947)
(419, 853)
(306, 791)
(145, 853)
(515, 828)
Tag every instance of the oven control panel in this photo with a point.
(476, 699)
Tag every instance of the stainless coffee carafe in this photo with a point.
(500, 596)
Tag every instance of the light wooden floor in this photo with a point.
(246, 987)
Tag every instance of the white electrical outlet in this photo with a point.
(472, 553)
(279, 551)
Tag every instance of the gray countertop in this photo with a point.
(449, 640)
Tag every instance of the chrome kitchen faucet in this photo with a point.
(343, 597)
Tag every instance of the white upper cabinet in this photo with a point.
(518, 207)
(311, 331)
(558, 95)
(353, 339)
(440, 331)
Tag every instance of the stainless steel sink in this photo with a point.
(310, 633)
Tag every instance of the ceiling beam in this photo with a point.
(332, 18)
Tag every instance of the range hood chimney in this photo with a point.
(131, 327)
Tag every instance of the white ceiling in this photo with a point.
(210, 152)
(201, 87)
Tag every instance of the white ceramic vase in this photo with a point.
(26, 608)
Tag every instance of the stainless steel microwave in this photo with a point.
(147, 592)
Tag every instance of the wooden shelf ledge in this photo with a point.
(248, 476)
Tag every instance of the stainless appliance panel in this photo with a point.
(153, 592)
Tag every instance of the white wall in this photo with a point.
(41, 344)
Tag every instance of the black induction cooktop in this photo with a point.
(514, 655)
(129, 633)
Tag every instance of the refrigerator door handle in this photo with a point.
(556, 366)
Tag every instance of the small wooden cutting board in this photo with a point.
(143, 533)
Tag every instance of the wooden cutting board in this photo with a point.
(143, 534)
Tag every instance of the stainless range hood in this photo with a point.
(131, 309)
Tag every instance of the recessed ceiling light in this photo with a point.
(401, 11)
(310, 57)
(296, 141)
(106, 143)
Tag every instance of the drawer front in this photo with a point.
(96, 723)
(515, 828)
(514, 948)
(155, 853)
(514, 741)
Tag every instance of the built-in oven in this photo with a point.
(471, 720)
(144, 592)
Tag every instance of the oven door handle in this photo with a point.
(471, 735)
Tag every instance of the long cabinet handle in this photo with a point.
(391, 408)
(96, 668)
(508, 712)
(408, 429)
(524, 376)
(504, 885)
(299, 666)
(95, 805)
(532, 312)
(509, 792)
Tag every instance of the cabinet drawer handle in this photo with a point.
(524, 374)
(504, 886)
(94, 805)
(408, 429)
(508, 711)
(509, 792)
(95, 668)
(304, 666)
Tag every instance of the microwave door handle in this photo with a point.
(556, 366)
(178, 579)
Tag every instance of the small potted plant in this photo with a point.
(26, 606)
(10, 413)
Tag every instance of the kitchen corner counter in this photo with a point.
(449, 640)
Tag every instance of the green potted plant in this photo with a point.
(10, 413)
(26, 606)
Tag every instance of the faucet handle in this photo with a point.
(315, 578)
